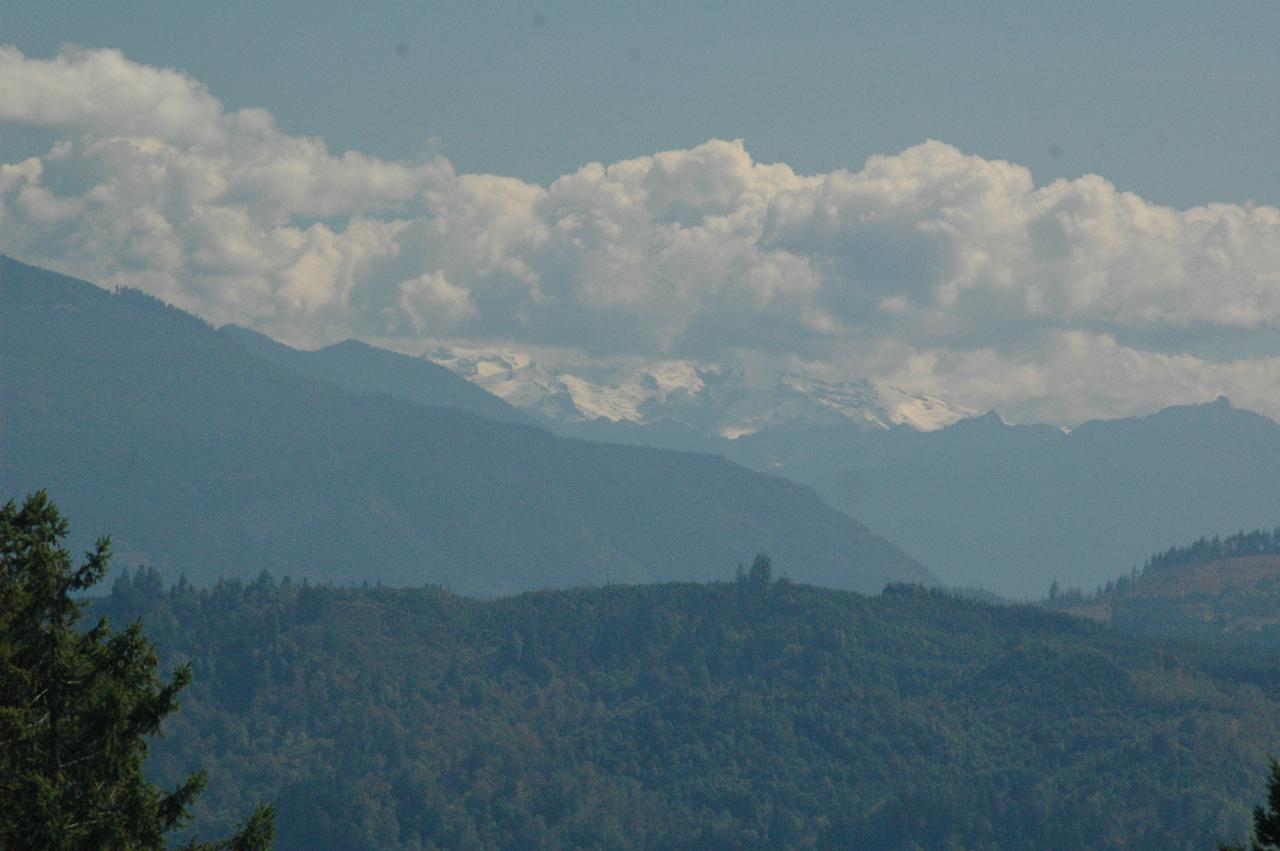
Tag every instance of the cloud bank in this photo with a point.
(937, 271)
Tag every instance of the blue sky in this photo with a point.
(1177, 101)
(1061, 211)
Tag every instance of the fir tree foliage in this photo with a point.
(1266, 823)
(77, 706)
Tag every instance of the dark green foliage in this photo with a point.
(1244, 615)
(1266, 822)
(748, 714)
(201, 457)
(77, 706)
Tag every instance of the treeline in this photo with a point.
(1255, 543)
(1203, 551)
(754, 713)
(1194, 595)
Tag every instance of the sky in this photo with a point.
(1061, 211)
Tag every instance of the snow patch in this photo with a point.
(922, 413)
(710, 398)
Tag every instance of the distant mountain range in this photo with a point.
(218, 454)
(361, 368)
(706, 400)
(984, 503)
(1012, 508)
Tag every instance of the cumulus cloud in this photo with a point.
(430, 302)
(942, 272)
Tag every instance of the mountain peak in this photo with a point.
(1218, 410)
(327, 465)
(991, 421)
(352, 346)
(714, 400)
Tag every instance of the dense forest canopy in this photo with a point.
(754, 713)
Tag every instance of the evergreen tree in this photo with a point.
(1266, 823)
(761, 573)
(77, 706)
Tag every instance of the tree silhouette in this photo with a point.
(1266, 823)
(76, 707)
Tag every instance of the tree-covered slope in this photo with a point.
(196, 454)
(731, 715)
(1216, 590)
(361, 368)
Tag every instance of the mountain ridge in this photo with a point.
(713, 400)
(361, 368)
(1015, 507)
(204, 458)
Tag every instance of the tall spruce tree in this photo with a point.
(77, 706)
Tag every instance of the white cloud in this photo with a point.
(431, 303)
(102, 92)
(944, 273)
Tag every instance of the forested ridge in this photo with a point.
(1216, 590)
(754, 713)
(1257, 542)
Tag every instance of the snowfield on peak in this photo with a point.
(922, 413)
(711, 399)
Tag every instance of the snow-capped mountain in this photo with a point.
(711, 399)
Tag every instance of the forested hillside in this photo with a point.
(748, 714)
(1220, 590)
(201, 457)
